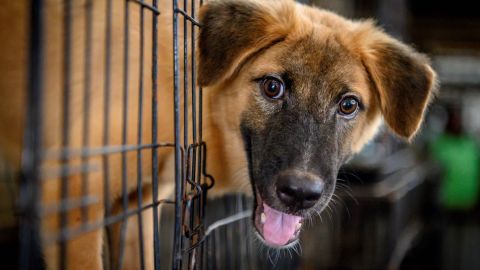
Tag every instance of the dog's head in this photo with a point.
(303, 89)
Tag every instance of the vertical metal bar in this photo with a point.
(67, 48)
(177, 247)
(139, 141)
(186, 165)
(226, 238)
(156, 236)
(185, 79)
(200, 109)
(240, 233)
(200, 124)
(86, 102)
(194, 94)
(30, 254)
(217, 252)
(204, 263)
(248, 242)
(209, 258)
(196, 176)
(106, 116)
(202, 151)
(123, 229)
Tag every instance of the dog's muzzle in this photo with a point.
(295, 192)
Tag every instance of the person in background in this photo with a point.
(459, 157)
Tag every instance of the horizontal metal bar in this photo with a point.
(68, 170)
(188, 17)
(217, 224)
(67, 205)
(147, 6)
(69, 153)
(66, 234)
(225, 221)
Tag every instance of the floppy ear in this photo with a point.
(403, 79)
(234, 31)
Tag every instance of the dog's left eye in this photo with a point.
(348, 107)
(272, 87)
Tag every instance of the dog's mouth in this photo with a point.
(275, 228)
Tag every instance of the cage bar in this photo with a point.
(29, 253)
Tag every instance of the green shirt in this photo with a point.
(459, 158)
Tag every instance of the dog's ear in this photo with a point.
(234, 31)
(403, 79)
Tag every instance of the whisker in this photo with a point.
(343, 204)
(330, 215)
(344, 188)
(351, 173)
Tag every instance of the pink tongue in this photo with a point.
(279, 227)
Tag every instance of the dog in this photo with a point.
(291, 92)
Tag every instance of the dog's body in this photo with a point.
(291, 92)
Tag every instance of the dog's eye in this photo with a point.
(348, 107)
(273, 88)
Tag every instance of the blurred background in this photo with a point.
(413, 206)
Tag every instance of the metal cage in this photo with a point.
(183, 236)
(191, 181)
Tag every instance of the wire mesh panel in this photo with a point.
(113, 136)
(189, 212)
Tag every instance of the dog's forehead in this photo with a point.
(321, 68)
(318, 68)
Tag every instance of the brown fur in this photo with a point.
(241, 41)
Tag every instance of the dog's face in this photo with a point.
(304, 89)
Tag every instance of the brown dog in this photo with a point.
(292, 92)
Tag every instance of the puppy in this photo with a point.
(291, 92)
(296, 92)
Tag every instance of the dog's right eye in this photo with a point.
(272, 87)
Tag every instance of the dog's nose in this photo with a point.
(299, 191)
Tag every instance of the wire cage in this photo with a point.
(73, 162)
(94, 138)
